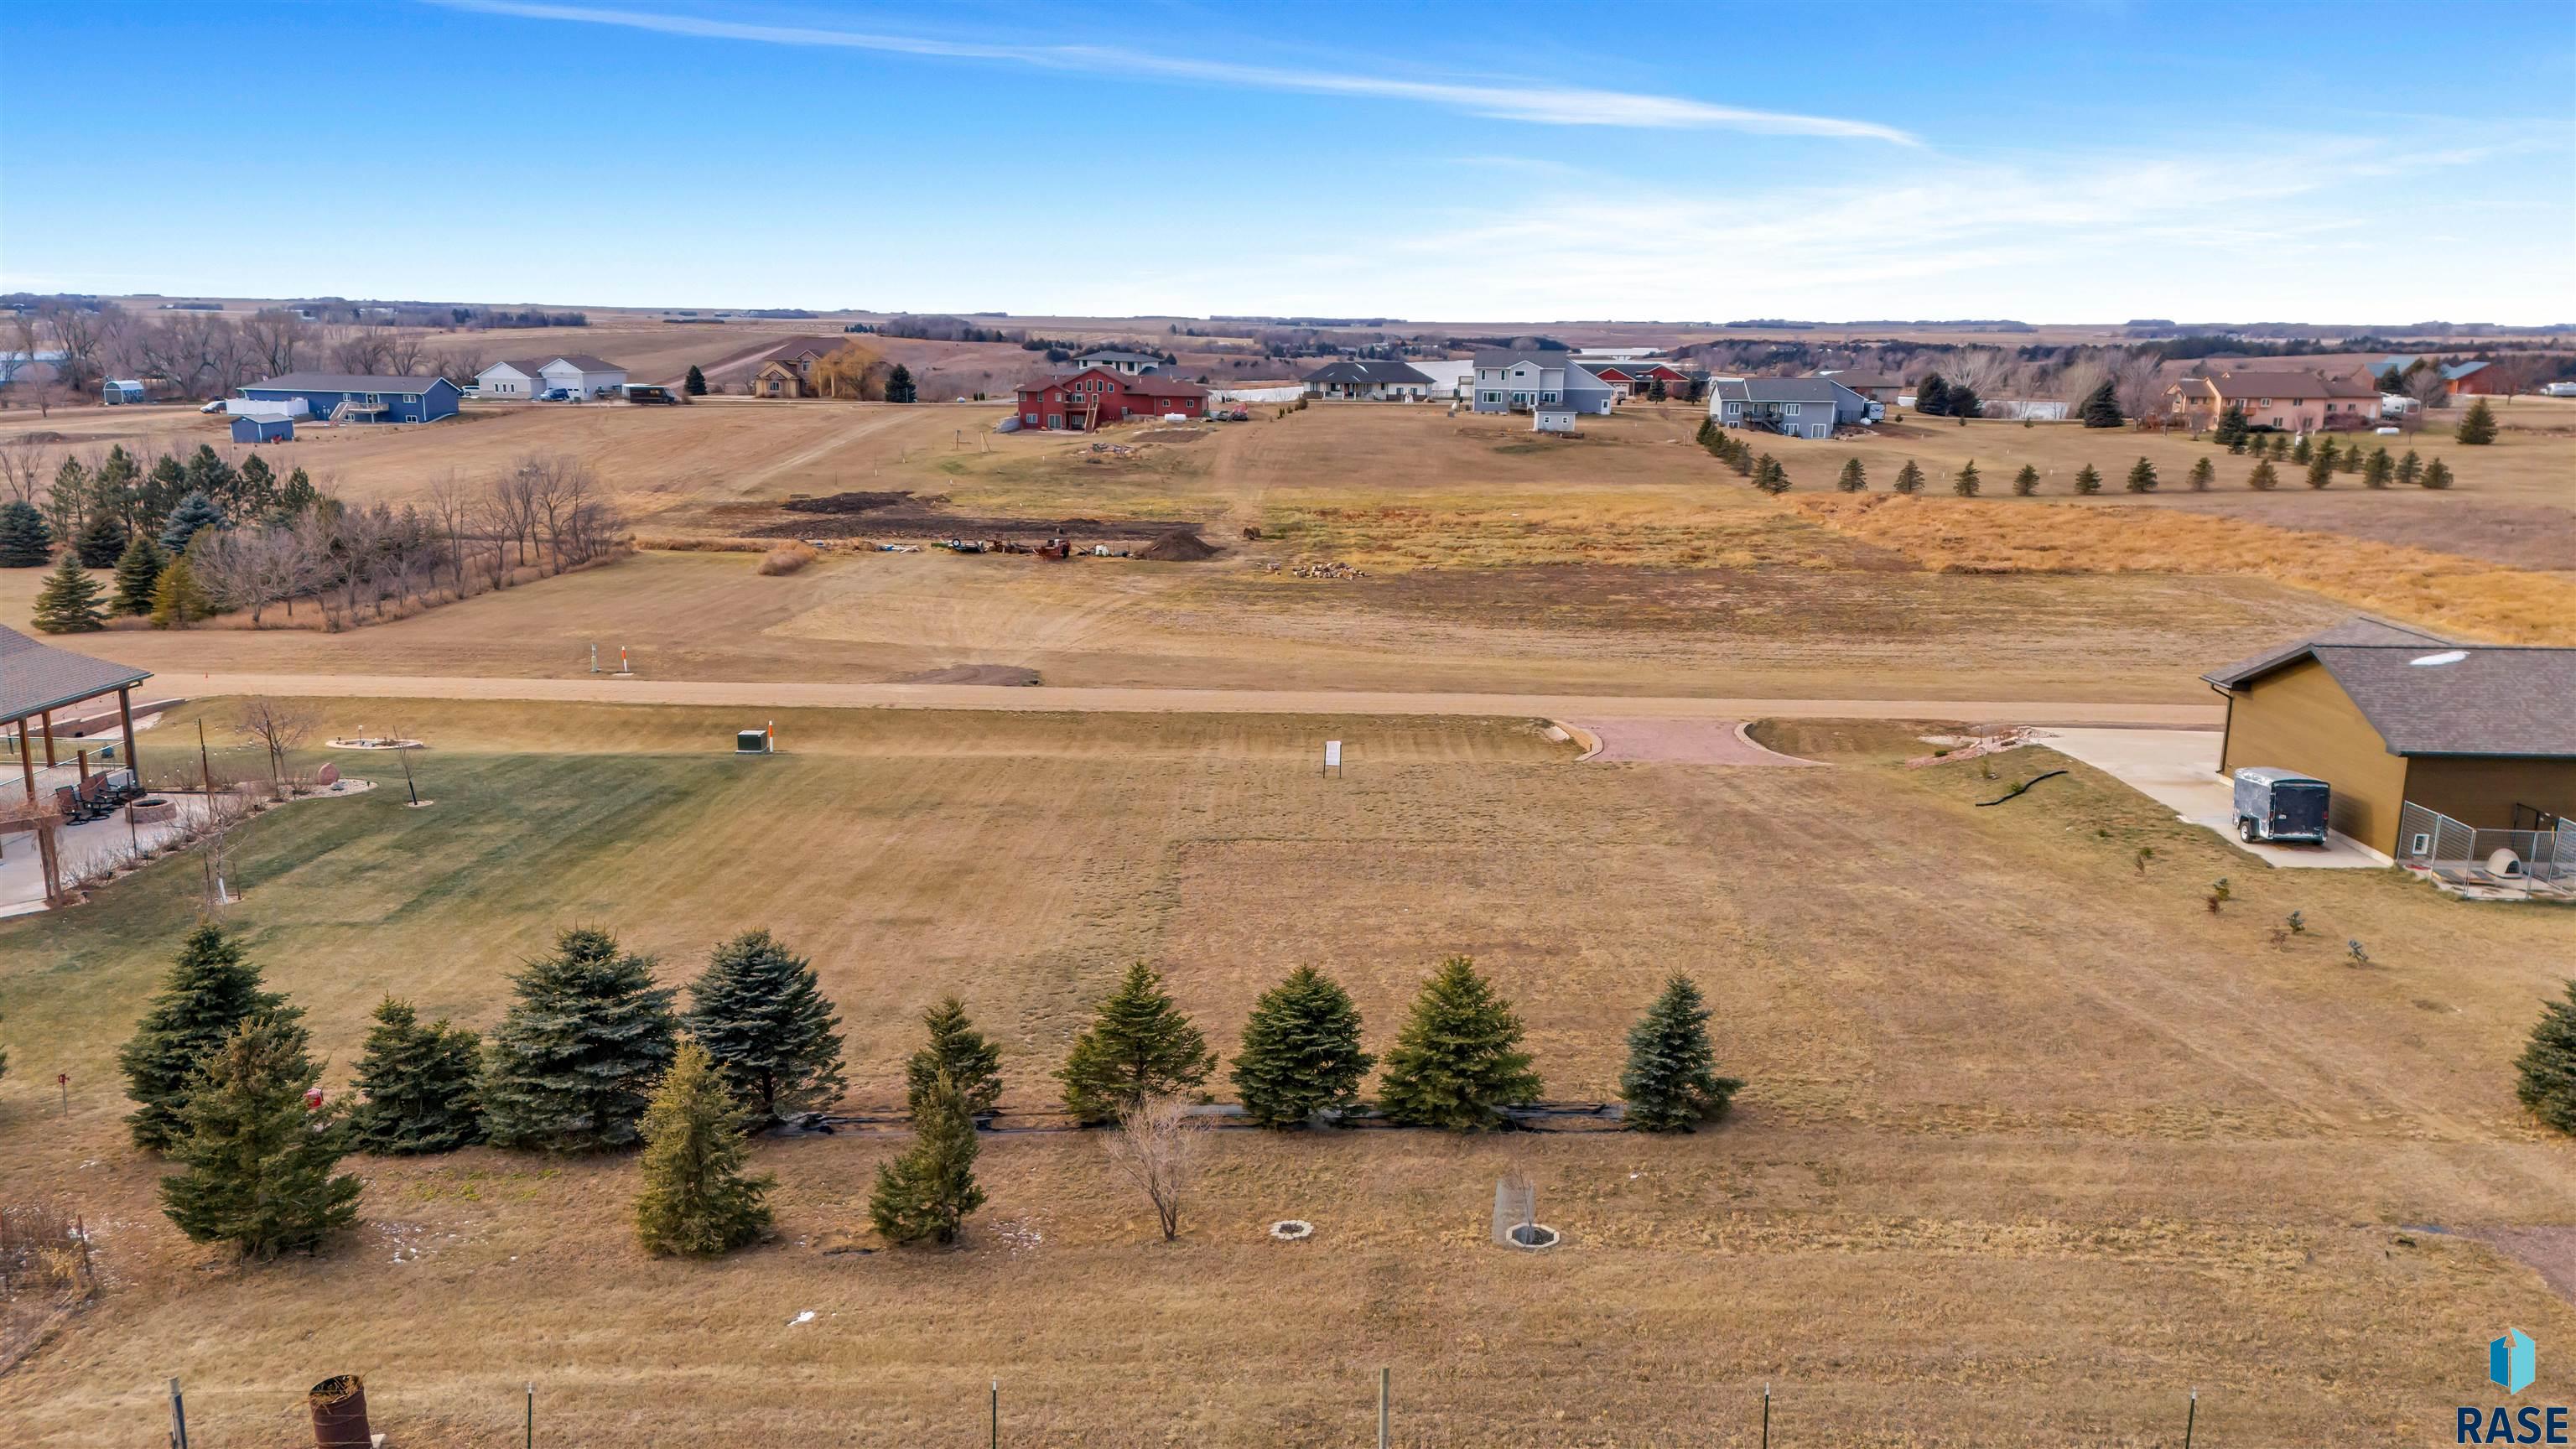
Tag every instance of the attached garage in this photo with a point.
(2415, 732)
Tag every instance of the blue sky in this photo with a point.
(2067, 162)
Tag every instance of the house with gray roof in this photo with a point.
(1375, 381)
(1132, 364)
(519, 379)
(2403, 723)
(1509, 381)
(361, 397)
(1793, 407)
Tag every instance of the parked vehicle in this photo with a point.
(2280, 806)
(556, 394)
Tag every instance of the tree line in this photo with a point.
(593, 1056)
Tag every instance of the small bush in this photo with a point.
(786, 559)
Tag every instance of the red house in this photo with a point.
(1096, 396)
(1638, 378)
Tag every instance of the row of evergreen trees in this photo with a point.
(98, 509)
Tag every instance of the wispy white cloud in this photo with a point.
(1538, 103)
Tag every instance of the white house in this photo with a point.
(520, 379)
(1376, 381)
(1553, 418)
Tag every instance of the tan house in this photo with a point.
(2289, 402)
(2406, 726)
(787, 370)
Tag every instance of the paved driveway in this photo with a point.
(2179, 768)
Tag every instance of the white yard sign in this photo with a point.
(1333, 756)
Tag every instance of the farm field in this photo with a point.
(2032, 1142)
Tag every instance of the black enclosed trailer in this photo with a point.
(2281, 806)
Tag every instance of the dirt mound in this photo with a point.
(855, 502)
(974, 674)
(1181, 545)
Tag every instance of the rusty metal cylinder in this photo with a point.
(340, 1413)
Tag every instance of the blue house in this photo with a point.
(251, 429)
(344, 397)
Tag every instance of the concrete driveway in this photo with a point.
(2179, 768)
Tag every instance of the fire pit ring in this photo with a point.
(1534, 1237)
(152, 810)
(1292, 1230)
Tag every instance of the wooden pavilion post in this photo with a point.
(36, 820)
(49, 739)
(125, 713)
(27, 764)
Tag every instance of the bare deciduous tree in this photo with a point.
(2138, 381)
(1156, 1147)
(278, 726)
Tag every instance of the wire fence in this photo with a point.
(2537, 864)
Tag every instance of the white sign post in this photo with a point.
(1332, 757)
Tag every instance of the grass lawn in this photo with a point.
(2032, 1144)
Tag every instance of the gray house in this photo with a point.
(1794, 407)
(1520, 382)
(1133, 364)
(1378, 381)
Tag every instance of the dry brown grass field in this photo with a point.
(2032, 1143)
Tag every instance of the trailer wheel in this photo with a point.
(2247, 831)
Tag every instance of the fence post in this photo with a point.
(532, 1414)
(1766, 1414)
(2190, 1419)
(178, 1418)
(997, 1414)
(1381, 1407)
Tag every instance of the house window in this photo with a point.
(1030, 418)
(2420, 843)
(1788, 410)
(1734, 409)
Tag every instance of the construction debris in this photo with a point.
(1969, 747)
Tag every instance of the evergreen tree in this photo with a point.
(1301, 1051)
(898, 384)
(1769, 476)
(1853, 479)
(1671, 1083)
(159, 491)
(2026, 482)
(68, 501)
(194, 512)
(2101, 408)
(2303, 452)
(25, 542)
(926, 1193)
(1707, 434)
(2349, 460)
(2202, 475)
(1458, 1062)
(697, 1201)
(209, 474)
(257, 492)
(2437, 475)
(1139, 1046)
(1963, 401)
(572, 1064)
(68, 603)
(695, 385)
(2479, 426)
(419, 1084)
(257, 1165)
(2410, 468)
(2328, 453)
(2546, 1070)
(2142, 476)
(2263, 479)
(2232, 429)
(1740, 458)
(177, 599)
(958, 1052)
(2379, 470)
(763, 1018)
(1656, 392)
(2320, 467)
(209, 990)
(101, 543)
(138, 570)
(1932, 397)
(298, 495)
(111, 488)
(2088, 480)
(2280, 447)
(1909, 479)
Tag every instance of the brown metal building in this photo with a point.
(2390, 716)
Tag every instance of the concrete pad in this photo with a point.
(2179, 769)
(1679, 742)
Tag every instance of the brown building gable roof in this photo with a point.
(2236, 385)
(1151, 384)
(2426, 695)
(37, 677)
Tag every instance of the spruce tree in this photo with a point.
(158, 492)
(138, 571)
(2328, 453)
(2437, 475)
(2410, 468)
(298, 495)
(2303, 452)
(697, 1200)
(898, 385)
(2202, 475)
(1909, 479)
(111, 488)
(2232, 429)
(2280, 447)
(1671, 1083)
(1966, 482)
(1707, 433)
(2025, 482)
(210, 989)
(2142, 476)
(958, 1052)
(2236, 446)
(1301, 1051)
(2101, 407)
(101, 543)
(926, 1193)
(257, 1165)
(257, 491)
(696, 383)
(419, 1085)
(194, 512)
(572, 1064)
(2321, 468)
(1963, 402)
(1853, 479)
(1458, 1062)
(2349, 460)
(2377, 473)
(25, 541)
(1740, 458)
(1139, 1046)
(1769, 476)
(2263, 479)
(68, 603)
(2479, 426)
(177, 598)
(68, 502)
(763, 1018)
(2546, 1070)
(1932, 397)
(2088, 480)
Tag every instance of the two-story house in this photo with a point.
(1793, 407)
(1520, 382)
(2290, 402)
